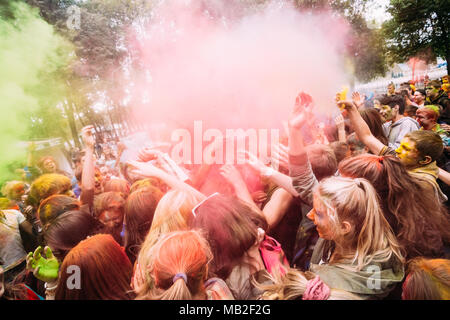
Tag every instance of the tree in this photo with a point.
(418, 29)
(366, 49)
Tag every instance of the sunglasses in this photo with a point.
(194, 210)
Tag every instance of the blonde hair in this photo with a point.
(428, 279)
(292, 286)
(356, 201)
(181, 252)
(173, 213)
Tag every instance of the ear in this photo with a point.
(261, 234)
(346, 227)
(425, 160)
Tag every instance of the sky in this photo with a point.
(376, 10)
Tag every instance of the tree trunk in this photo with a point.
(68, 108)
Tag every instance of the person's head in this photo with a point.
(322, 159)
(424, 219)
(67, 230)
(98, 181)
(231, 227)
(433, 89)
(293, 285)
(427, 116)
(117, 185)
(419, 148)
(391, 88)
(410, 111)
(14, 190)
(148, 182)
(173, 213)
(419, 96)
(340, 149)
(47, 164)
(48, 185)
(139, 211)
(427, 279)
(385, 112)
(355, 146)
(373, 119)
(109, 210)
(396, 103)
(178, 267)
(104, 270)
(53, 206)
(346, 211)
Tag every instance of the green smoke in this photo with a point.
(32, 57)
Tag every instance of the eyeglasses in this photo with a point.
(194, 210)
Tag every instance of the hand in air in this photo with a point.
(249, 158)
(143, 169)
(45, 269)
(357, 99)
(302, 109)
(87, 136)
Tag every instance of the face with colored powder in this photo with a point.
(49, 166)
(319, 215)
(432, 92)
(425, 118)
(98, 182)
(112, 218)
(408, 154)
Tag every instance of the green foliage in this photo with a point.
(418, 29)
(31, 59)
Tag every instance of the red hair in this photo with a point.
(105, 271)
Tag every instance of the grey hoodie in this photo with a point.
(397, 130)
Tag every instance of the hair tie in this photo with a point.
(316, 290)
(178, 276)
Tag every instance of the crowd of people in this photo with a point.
(354, 210)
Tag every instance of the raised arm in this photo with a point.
(146, 169)
(88, 174)
(303, 179)
(361, 128)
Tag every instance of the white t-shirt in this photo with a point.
(12, 251)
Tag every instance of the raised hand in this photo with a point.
(357, 100)
(147, 154)
(45, 269)
(249, 158)
(259, 196)
(303, 106)
(144, 169)
(87, 136)
(339, 121)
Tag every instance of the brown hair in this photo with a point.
(117, 185)
(139, 210)
(418, 220)
(67, 230)
(373, 119)
(340, 150)
(53, 206)
(427, 280)
(105, 271)
(322, 159)
(107, 201)
(230, 227)
(428, 143)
